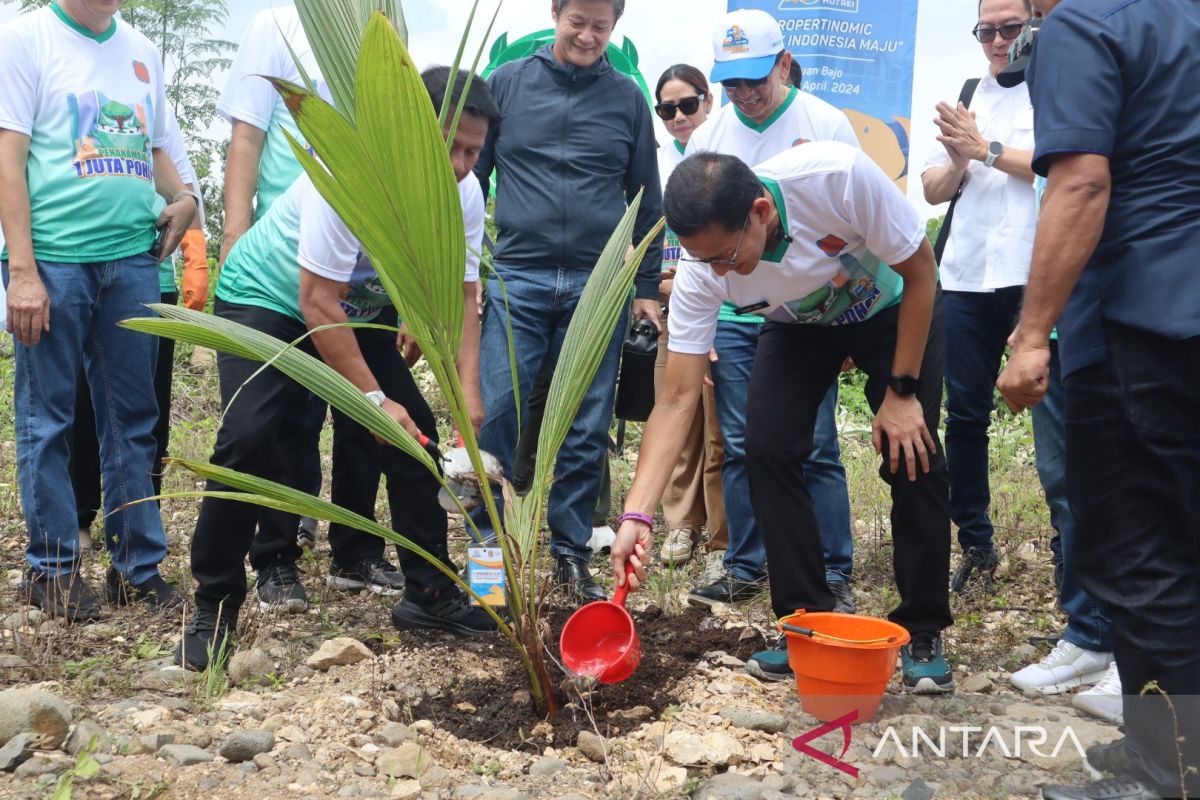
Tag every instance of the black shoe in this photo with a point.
(373, 574)
(209, 637)
(843, 598)
(975, 560)
(154, 592)
(574, 574)
(1112, 758)
(452, 612)
(66, 596)
(306, 534)
(278, 587)
(1110, 789)
(728, 590)
(771, 664)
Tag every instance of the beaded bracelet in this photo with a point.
(637, 516)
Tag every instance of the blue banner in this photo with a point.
(857, 55)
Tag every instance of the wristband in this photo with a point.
(637, 516)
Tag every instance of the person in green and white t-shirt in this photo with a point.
(820, 242)
(82, 127)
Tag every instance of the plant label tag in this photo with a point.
(485, 574)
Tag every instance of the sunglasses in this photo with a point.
(749, 83)
(986, 34)
(688, 105)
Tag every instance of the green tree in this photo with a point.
(183, 32)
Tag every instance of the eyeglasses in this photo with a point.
(986, 34)
(749, 83)
(688, 105)
(723, 262)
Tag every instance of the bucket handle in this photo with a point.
(810, 633)
(623, 590)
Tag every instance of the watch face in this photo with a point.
(995, 148)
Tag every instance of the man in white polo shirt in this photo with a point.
(986, 152)
(806, 238)
(765, 117)
(82, 129)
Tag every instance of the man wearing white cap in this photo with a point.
(765, 117)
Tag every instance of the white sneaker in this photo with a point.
(714, 567)
(602, 538)
(1104, 699)
(677, 547)
(1066, 667)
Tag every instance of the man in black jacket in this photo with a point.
(574, 145)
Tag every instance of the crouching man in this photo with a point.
(300, 268)
(805, 239)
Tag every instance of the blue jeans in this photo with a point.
(1088, 624)
(736, 344)
(541, 303)
(978, 325)
(86, 303)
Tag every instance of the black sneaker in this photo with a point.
(278, 587)
(306, 534)
(209, 637)
(1111, 758)
(772, 664)
(154, 592)
(67, 596)
(452, 612)
(728, 590)
(978, 562)
(573, 573)
(373, 574)
(843, 598)
(1110, 789)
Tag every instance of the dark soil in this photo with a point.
(671, 648)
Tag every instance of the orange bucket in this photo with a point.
(835, 678)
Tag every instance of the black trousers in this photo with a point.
(359, 461)
(85, 448)
(1133, 479)
(263, 433)
(792, 371)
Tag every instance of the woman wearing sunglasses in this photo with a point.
(693, 498)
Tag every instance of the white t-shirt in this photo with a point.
(252, 99)
(669, 158)
(93, 106)
(991, 240)
(847, 221)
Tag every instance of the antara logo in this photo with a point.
(843, 723)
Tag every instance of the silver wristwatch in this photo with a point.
(377, 397)
(182, 193)
(995, 150)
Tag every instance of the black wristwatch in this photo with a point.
(904, 385)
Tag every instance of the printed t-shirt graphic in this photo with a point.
(801, 118)
(669, 158)
(252, 99)
(847, 221)
(263, 268)
(93, 106)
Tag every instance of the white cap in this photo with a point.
(745, 46)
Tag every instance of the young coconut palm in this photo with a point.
(381, 162)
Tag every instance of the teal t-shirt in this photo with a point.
(93, 106)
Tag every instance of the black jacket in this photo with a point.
(572, 149)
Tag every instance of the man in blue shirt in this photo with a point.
(1118, 135)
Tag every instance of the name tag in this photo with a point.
(750, 309)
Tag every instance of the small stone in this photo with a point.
(976, 684)
(148, 717)
(997, 709)
(42, 765)
(1025, 654)
(208, 784)
(245, 745)
(9, 661)
(36, 712)
(339, 652)
(635, 713)
(716, 749)
(16, 752)
(85, 730)
(592, 747)
(203, 358)
(409, 760)
(522, 697)
(250, 666)
(291, 733)
(729, 786)
(153, 742)
(669, 780)
(184, 755)
(545, 767)
(406, 790)
(422, 727)
(395, 734)
(297, 752)
(885, 776)
(364, 770)
(167, 678)
(391, 710)
(466, 708)
(753, 720)
(501, 793)
(918, 790)
(30, 618)
(264, 761)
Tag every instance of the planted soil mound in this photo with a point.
(672, 646)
